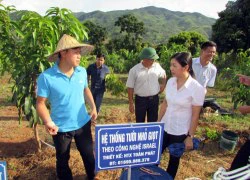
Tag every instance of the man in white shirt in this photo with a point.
(146, 80)
(205, 72)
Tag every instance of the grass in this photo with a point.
(5, 90)
(233, 122)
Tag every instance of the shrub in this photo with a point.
(115, 85)
(211, 134)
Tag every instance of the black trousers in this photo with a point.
(243, 156)
(146, 106)
(212, 104)
(84, 144)
(173, 163)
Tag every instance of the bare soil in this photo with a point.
(18, 149)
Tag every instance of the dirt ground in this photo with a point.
(18, 149)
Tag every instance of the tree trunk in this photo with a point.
(38, 142)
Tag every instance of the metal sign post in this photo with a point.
(129, 173)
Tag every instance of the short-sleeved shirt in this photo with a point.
(178, 115)
(66, 97)
(205, 75)
(98, 77)
(145, 81)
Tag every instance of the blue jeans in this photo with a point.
(98, 96)
(84, 144)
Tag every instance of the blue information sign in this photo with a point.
(128, 145)
(3, 170)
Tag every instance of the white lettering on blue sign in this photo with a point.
(131, 137)
(135, 147)
(119, 146)
(153, 135)
(142, 136)
(108, 149)
(116, 138)
(105, 139)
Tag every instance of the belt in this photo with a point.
(147, 97)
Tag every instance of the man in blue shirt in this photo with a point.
(65, 87)
(97, 72)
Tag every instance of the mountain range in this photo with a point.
(159, 23)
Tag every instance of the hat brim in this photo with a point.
(85, 49)
(154, 57)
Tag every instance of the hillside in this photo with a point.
(159, 23)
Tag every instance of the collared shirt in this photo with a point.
(204, 75)
(145, 81)
(66, 97)
(97, 76)
(178, 115)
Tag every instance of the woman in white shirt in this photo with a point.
(181, 107)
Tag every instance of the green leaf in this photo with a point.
(27, 105)
(31, 122)
(34, 37)
(41, 67)
(34, 114)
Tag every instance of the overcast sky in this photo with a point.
(208, 8)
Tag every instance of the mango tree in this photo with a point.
(32, 39)
(6, 25)
(97, 36)
(133, 29)
(191, 40)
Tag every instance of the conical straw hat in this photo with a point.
(68, 42)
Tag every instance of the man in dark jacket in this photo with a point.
(96, 73)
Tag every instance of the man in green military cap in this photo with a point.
(146, 80)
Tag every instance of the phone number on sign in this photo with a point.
(129, 161)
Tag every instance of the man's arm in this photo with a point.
(211, 81)
(162, 82)
(244, 109)
(43, 113)
(131, 99)
(162, 78)
(91, 102)
(244, 79)
(108, 71)
(88, 79)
